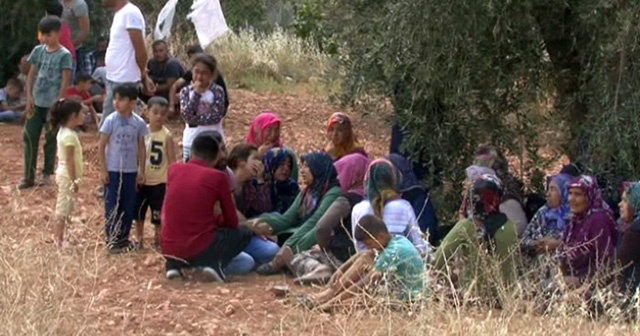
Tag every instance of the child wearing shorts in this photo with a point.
(66, 115)
(161, 153)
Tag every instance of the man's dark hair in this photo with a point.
(194, 49)
(240, 153)
(159, 42)
(16, 83)
(157, 100)
(130, 91)
(83, 77)
(205, 147)
(369, 227)
(49, 24)
(215, 134)
(99, 56)
(53, 7)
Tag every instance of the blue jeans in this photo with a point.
(120, 206)
(259, 251)
(9, 116)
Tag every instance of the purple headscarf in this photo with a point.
(351, 170)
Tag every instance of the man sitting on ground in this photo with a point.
(192, 234)
(163, 69)
(398, 263)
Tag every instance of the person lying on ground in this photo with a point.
(299, 221)
(391, 258)
(341, 137)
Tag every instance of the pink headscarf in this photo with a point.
(351, 171)
(259, 125)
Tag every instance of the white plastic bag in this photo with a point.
(208, 19)
(165, 20)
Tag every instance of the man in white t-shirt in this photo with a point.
(126, 58)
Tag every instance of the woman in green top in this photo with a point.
(486, 242)
(321, 190)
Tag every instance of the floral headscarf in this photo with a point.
(351, 143)
(557, 219)
(259, 125)
(351, 171)
(409, 181)
(325, 177)
(282, 192)
(485, 198)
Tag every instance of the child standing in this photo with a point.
(202, 104)
(66, 115)
(11, 103)
(161, 153)
(122, 155)
(47, 82)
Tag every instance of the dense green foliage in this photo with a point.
(467, 72)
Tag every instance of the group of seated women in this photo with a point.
(354, 220)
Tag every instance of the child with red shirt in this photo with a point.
(192, 235)
(54, 7)
(82, 92)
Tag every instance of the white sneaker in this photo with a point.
(174, 274)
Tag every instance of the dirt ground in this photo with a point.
(84, 291)
(129, 294)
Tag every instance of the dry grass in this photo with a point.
(277, 61)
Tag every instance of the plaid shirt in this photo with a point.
(89, 63)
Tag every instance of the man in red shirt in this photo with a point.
(192, 234)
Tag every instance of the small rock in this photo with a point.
(224, 291)
(229, 311)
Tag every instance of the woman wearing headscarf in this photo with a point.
(489, 160)
(281, 176)
(628, 251)
(483, 241)
(383, 200)
(590, 238)
(321, 190)
(418, 195)
(342, 140)
(335, 245)
(545, 231)
(264, 133)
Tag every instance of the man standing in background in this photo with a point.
(76, 14)
(126, 58)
